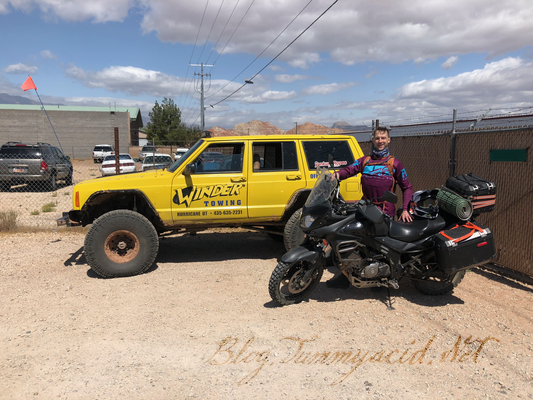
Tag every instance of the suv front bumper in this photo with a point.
(65, 220)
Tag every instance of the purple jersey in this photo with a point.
(376, 179)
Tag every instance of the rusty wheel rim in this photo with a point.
(121, 246)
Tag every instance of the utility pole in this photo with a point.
(202, 108)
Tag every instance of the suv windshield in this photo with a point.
(181, 160)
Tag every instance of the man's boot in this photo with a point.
(338, 282)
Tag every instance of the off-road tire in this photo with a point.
(5, 186)
(438, 287)
(51, 183)
(121, 243)
(285, 288)
(68, 179)
(293, 235)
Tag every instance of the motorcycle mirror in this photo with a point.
(330, 161)
(390, 197)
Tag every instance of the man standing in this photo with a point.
(379, 172)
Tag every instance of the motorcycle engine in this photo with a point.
(365, 269)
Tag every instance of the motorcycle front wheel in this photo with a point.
(291, 283)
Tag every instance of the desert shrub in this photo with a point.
(48, 207)
(8, 220)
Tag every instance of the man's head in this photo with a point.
(381, 138)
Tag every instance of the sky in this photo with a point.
(318, 61)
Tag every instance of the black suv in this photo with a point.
(34, 164)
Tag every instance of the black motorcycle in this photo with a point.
(371, 249)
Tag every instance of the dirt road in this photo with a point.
(200, 325)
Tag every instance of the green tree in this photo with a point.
(166, 127)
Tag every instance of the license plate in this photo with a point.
(18, 169)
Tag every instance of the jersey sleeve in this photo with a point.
(401, 178)
(352, 170)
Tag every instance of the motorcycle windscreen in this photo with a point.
(324, 186)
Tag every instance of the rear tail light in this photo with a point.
(44, 166)
(482, 244)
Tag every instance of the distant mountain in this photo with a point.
(350, 128)
(8, 99)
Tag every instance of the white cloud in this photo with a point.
(450, 62)
(327, 88)
(350, 32)
(284, 78)
(20, 69)
(47, 54)
(268, 96)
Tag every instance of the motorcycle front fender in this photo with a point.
(300, 253)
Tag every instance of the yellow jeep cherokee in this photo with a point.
(258, 182)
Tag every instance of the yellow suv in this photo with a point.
(258, 182)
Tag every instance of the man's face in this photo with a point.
(381, 140)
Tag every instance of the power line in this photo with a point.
(221, 33)
(281, 52)
(266, 48)
(192, 52)
(211, 30)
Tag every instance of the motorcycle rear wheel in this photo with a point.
(286, 285)
(437, 286)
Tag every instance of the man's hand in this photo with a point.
(406, 217)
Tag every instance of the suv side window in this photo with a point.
(274, 156)
(220, 158)
(317, 153)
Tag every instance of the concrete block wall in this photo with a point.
(78, 131)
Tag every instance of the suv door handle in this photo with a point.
(294, 177)
(240, 179)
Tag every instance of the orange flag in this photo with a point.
(28, 84)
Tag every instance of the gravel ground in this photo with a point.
(200, 325)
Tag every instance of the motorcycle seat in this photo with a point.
(420, 228)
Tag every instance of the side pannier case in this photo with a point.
(463, 246)
(480, 192)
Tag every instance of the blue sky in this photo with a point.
(399, 61)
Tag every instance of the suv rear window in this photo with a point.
(276, 156)
(103, 148)
(20, 152)
(317, 153)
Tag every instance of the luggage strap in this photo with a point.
(469, 225)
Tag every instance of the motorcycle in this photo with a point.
(373, 250)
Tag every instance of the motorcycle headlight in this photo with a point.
(306, 221)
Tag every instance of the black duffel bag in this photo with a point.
(470, 185)
(480, 192)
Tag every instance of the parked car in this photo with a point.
(146, 151)
(101, 151)
(156, 162)
(126, 164)
(33, 163)
(179, 152)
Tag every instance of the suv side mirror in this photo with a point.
(190, 169)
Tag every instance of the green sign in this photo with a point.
(516, 155)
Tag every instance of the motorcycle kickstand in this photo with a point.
(389, 307)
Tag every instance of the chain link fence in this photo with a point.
(426, 159)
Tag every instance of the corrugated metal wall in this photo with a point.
(426, 160)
